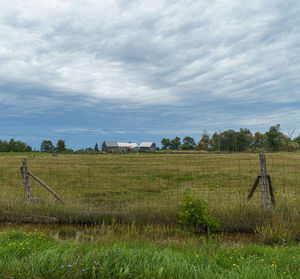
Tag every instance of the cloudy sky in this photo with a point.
(90, 70)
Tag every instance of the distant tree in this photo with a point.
(96, 148)
(201, 146)
(47, 145)
(205, 138)
(28, 148)
(14, 146)
(188, 143)
(243, 139)
(216, 141)
(61, 145)
(3, 146)
(259, 141)
(20, 146)
(166, 143)
(292, 146)
(285, 143)
(205, 142)
(272, 137)
(228, 140)
(297, 140)
(176, 143)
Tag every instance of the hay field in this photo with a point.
(146, 188)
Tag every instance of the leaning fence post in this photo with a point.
(26, 180)
(264, 182)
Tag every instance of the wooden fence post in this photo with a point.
(26, 180)
(264, 182)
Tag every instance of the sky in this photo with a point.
(86, 71)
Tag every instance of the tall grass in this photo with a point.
(147, 189)
(36, 254)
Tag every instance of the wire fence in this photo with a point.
(113, 183)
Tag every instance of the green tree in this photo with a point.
(61, 145)
(96, 148)
(28, 148)
(285, 143)
(206, 139)
(259, 141)
(273, 137)
(228, 140)
(297, 140)
(243, 139)
(188, 143)
(12, 146)
(47, 145)
(176, 143)
(292, 146)
(216, 141)
(166, 143)
(3, 146)
(201, 146)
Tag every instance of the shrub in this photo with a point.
(193, 213)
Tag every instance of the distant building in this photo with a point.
(110, 146)
(128, 147)
(147, 147)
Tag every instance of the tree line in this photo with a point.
(229, 140)
(14, 146)
(46, 146)
(242, 140)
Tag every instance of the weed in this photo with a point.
(192, 212)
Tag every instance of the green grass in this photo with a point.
(115, 252)
(147, 189)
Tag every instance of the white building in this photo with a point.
(128, 147)
(147, 147)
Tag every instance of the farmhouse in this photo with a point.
(110, 146)
(147, 147)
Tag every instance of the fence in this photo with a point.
(103, 184)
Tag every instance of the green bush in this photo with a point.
(193, 213)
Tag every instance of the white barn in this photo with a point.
(128, 147)
(147, 147)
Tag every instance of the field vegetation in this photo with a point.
(115, 251)
(147, 189)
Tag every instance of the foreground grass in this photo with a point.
(36, 254)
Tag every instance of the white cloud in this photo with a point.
(212, 56)
(149, 52)
(80, 131)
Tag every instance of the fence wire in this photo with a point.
(133, 182)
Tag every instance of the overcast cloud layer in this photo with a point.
(91, 70)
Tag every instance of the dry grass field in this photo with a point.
(147, 188)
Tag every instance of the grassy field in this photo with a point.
(147, 189)
(129, 252)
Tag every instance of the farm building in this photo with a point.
(110, 146)
(147, 147)
(113, 146)
(128, 147)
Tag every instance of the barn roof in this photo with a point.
(127, 144)
(110, 143)
(146, 144)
